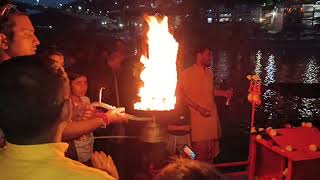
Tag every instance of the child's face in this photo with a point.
(79, 86)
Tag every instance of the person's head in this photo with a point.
(34, 102)
(120, 45)
(185, 169)
(58, 58)
(17, 36)
(117, 55)
(116, 60)
(54, 54)
(204, 56)
(78, 83)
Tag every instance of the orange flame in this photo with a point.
(159, 75)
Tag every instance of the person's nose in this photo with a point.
(36, 40)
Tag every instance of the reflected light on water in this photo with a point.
(270, 71)
(269, 94)
(311, 74)
(222, 68)
(310, 77)
(258, 67)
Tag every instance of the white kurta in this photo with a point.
(197, 84)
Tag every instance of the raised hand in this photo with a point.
(86, 112)
(117, 115)
(204, 111)
(105, 163)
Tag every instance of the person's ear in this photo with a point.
(3, 41)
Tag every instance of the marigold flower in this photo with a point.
(313, 147)
(273, 132)
(258, 137)
(289, 148)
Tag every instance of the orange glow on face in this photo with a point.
(159, 75)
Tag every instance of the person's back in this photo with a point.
(45, 161)
(34, 110)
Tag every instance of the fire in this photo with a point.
(159, 75)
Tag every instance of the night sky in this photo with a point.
(46, 2)
(55, 3)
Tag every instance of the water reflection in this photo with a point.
(258, 67)
(311, 73)
(273, 66)
(309, 108)
(269, 94)
(270, 71)
(222, 69)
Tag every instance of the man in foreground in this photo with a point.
(34, 110)
(16, 38)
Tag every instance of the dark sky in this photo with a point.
(46, 2)
(57, 2)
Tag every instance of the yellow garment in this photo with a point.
(197, 84)
(44, 162)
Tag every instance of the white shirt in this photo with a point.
(84, 144)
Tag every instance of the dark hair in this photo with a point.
(201, 48)
(6, 23)
(32, 92)
(185, 169)
(51, 50)
(75, 72)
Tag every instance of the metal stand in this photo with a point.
(152, 132)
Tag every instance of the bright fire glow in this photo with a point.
(159, 75)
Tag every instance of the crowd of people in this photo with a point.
(48, 122)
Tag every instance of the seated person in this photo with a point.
(185, 169)
(34, 110)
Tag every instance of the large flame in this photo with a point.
(159, 75)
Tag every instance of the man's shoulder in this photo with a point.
(192, 71)
(56, 168)
(189, 69)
